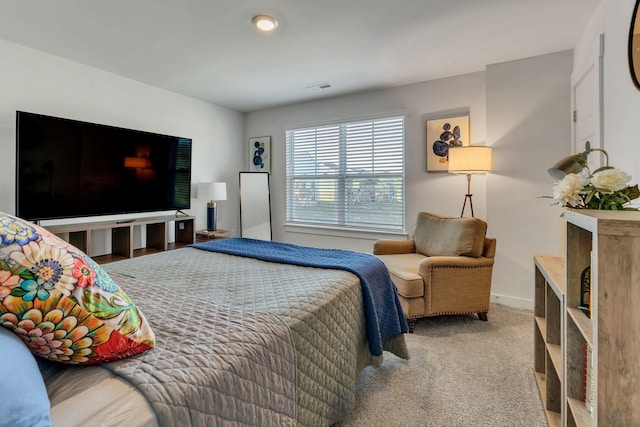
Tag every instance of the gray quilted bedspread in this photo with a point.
(212, 364)
(323, 309)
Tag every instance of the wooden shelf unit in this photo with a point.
(548, 331)
(609, 243)
(122, 235)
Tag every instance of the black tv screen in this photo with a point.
(68, 168)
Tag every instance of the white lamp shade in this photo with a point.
(212, 191)
(470, 159)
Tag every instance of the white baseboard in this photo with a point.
(512, 301)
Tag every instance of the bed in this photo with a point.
(239, 341)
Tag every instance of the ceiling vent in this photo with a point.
(318, 87)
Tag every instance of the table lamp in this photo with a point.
(469, 160)
(575, 163)
(212, 191)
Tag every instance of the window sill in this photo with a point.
(343, 232)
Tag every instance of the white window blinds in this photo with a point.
(347, 175)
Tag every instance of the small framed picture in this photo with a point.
(260, 154)
(441, 135)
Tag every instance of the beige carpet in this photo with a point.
(462, 372)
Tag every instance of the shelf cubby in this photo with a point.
(122, 235)
(606, 391)
(548, 332)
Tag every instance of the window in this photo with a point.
(347, 175)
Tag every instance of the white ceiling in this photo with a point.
(209, 50)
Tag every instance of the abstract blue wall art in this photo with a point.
(260, 154)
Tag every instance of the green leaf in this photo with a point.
(100, 306)
(124, 297)
(18, 292)
(130, 321)
(17, 270)
(602, 205)
(25, 274)
(110, 308)
(631, 192)
(589, 197)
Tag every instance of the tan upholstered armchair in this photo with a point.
(445, 267)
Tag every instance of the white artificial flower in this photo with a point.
(567, 190)
(611, 179)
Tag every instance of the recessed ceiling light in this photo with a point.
(264, 22)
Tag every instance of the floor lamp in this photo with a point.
(212, 191)
(469, 160)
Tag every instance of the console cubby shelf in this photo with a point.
(122, 235)
(549, 297)
(609, 244)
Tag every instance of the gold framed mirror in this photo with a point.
(634, 46)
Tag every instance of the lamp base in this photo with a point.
(211, 217)
(464, 205)
(468, 196)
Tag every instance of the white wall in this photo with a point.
(621, 98)
(528, 125)
(41, 83)
(588, 42)
(521, 108)
(425, 191)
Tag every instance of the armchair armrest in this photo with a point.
(454, 262)
(389, 247)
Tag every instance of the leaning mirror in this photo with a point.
(634, 47)
(255, 205)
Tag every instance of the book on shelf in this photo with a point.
(591, 262)
(588, 378)
(585, 291)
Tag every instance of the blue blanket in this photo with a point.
(383, 314)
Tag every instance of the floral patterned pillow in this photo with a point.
(62, 304)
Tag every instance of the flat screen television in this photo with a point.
(68, 168)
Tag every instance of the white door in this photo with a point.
(586, 100)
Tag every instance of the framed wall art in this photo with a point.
(260, 154)
(441, 135)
